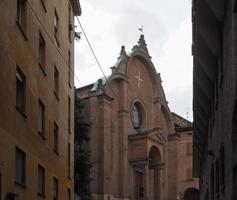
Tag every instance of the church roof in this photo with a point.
(181, 124)
(101, 82)
(119, 70)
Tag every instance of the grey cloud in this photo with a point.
(129, 22)
(172, 11)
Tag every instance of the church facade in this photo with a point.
(131, 128)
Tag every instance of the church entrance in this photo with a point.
(139, 188)
(154, 173)
(148, 165)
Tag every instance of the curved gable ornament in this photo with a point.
(140, 51)
(120, 69)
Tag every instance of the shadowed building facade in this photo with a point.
(215, 98)
(36, 101)
(131, 125)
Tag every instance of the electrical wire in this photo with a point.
(98, 63)
(53, 42)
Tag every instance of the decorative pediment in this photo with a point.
(158, 136)
(144, 145)
(154, 134)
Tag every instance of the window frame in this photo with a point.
(55, 188)
(141, 113)
(56, 138)
(56, 27)
(41, 105)
(70, 25)
(43, 2)
(56, 82)
(20, 75)
(42, 54)
(69, 68)
(234, 7)
(41, 193)
(21, 17)
(22, 154)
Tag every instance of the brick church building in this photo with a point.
(134, 137)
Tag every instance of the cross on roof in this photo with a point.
(141, 29)
(139, 79)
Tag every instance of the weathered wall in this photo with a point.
(17, 130)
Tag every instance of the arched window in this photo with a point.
(137, 115)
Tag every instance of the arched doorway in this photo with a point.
(154, 174)
(191, 194)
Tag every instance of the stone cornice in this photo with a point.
(105, 98)
(159, 100)
(139, 162)
(153, 134)
(123, 112)
(181, 129)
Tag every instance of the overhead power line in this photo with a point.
(53, 42)
(98, 63)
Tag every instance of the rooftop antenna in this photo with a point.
(141, 29)
(187, 113)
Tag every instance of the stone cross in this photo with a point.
(139, 79)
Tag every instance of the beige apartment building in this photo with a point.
(36, 99)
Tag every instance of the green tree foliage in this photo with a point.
(82, 153)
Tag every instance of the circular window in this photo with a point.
(137, 115)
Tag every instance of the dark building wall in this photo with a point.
(215, 93)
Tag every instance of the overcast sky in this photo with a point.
(167, 29)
